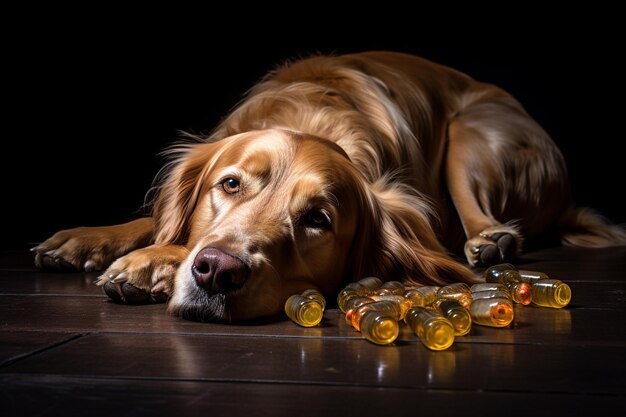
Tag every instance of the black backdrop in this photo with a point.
(87, 115)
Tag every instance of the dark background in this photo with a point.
(89, 109)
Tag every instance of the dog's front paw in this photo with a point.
(493, 245)
(144, 275)
(79, 249)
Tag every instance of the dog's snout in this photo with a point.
(215, 270)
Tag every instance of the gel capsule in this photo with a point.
(400, 301)
(551, 293)
(488, 286)
(458, 291)
(458, 315)
(388, 307)
(494, 312)
(479, 295)
(502, 273)
(391, 288)
(316, 296)
(521, 292)
(532, 276)
(422, 296)
(371, 283)
(432, 328)
(304, 311)
(379, 328)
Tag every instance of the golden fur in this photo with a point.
(332, 169)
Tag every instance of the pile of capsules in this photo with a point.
(435, 314)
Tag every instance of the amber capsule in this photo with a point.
(458, 291)
(402, 302)
(494, 312)
(371, 283)
(422, 296)
(551, 293)
(390, 288)
(488, 286)
(353, 289)
(315, 295)
(502, 273)
(521, 292)
(433, 329)
(478, 295)
(304, 311)
(532, 276)
(388, 307)
(379, 327)
(458, 315)
(353, 304)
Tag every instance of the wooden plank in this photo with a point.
(53, 396)
(577, 326)
(18, 345)
(477, 367)
(43, 283)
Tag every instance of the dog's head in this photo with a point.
(267, 214)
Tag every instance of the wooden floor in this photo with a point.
(65, 349)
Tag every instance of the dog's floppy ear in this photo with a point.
(177, 195)
(398, 241)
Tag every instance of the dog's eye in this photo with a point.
(231, 185)
(317, 219)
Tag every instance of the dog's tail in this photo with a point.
(582, 226)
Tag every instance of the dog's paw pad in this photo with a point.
(53, 264)
(488, 255)
(506, 244)
(128, 293)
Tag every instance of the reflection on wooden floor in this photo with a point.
(66, 350)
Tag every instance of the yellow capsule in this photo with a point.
(391, 288)
(422, 296)
(551, 293)
(433, 329)
(458, 315)
(400, 301)
(379, 327)
(304, 311)
(315, 295)
(353, 304)
(532, 276)
(388, 307)
(458, 291)
(494, 312)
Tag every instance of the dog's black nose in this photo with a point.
(216, 270)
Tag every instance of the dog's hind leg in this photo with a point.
(505, 176)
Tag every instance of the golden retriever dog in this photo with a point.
(332, 169)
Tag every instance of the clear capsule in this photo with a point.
(304, 311)
(315, 295)
(371, 283)
(502, 273)
(551, 293)
(458, 315)
(458, 291)
(380, 328)
(494, 312)
(532, 276)
(488, 286)
(433, 329)
(479, 295)
(390, 288)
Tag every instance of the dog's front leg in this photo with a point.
(145, 275)
(92, 248)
